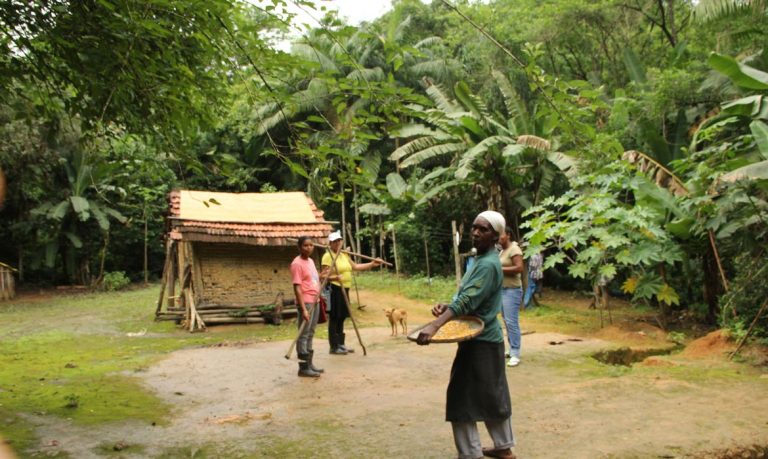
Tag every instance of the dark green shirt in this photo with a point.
(480, 295)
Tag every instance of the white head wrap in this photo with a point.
(495, 219)
(334, 236)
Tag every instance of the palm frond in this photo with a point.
(351, 111)
(412, 147)
(313, 54)
(441, 100)
(265, 125)
(565, 163)
(363, 74)
(429, 41)
(710, 10)
(413, 130)
(432, 152)
(436, 68)
(468, 158)
(535, 142)
(471, 101)
(516, 110)
(546, 182)
(437, 191)
(662, 176)
(399, 31)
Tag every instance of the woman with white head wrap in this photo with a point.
(478, 389)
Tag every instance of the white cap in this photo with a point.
(334, 236)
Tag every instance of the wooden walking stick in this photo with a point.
(349, 310)
(744, 338)
(354, 254)
(311, 311)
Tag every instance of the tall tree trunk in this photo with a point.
(3, 188)
(146, 247)
(343, 209)
(712, 286)
(356, 205)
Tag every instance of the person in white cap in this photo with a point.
(340, 276)
(478, 389)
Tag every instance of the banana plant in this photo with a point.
(68, 215)
(461, 141)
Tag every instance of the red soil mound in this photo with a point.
(713, 345)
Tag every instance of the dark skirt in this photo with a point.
(339, 309)
(478, 388)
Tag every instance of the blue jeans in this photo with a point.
(510, 309)
(529, 292)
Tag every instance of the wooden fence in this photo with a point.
(7, 284)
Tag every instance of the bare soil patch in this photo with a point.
(245, 400)
(712, 346)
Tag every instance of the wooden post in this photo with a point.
(426, 256)
(455, 236)
(146, 246)
(348, 237)
(397, 263)
(197, 274)
(167, 266)
(358, 247)
(382, 235)
(749, 331)
(343, 208)
(21, 265)
(172, 275)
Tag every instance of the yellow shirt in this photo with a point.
(343, 265)
(506, 255)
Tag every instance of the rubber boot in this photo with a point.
(305, 371)
(342, 338)
(312, 365)
(335, 345)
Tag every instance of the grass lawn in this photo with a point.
(71, 356)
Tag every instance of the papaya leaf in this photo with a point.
(630, 285)
(578, 270)
(668, 295)
(607, 271)
(553, 260)
(648, 287)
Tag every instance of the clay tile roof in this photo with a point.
(249, 218)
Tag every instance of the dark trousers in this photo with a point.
(336, 317)
(336, 332)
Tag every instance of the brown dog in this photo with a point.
(396, 316)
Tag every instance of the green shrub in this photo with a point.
(116, 280)
(748, 291)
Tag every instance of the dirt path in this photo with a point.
(246, 401)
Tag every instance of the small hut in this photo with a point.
(228, 256)
(7, 285)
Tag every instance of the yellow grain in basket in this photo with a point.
(455, 329)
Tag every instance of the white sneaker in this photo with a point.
(513, 361)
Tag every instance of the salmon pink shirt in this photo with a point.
(304, 274)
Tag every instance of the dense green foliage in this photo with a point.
(628, 140)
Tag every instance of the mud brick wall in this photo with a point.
(242, 275)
